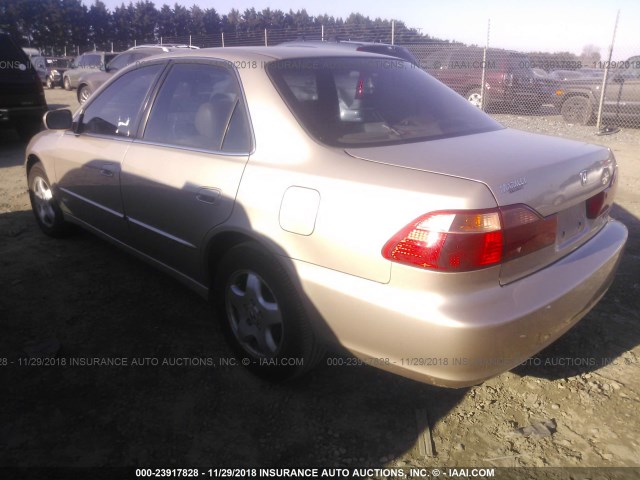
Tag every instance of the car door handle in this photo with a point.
(208, 195)
(107, 169)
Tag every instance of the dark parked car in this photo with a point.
(22, 101)
(86, 61)
(371, 47)
(509, 78)
(51, 69)
(90, 81)
(581, 97)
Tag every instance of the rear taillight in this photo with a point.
(463, 240)
(601, 202)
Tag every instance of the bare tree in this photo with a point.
(590, 55)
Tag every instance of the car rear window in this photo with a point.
(350, 102)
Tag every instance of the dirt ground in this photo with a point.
(83, 298)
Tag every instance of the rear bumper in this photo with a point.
(461, 340)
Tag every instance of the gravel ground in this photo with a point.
(84, 298)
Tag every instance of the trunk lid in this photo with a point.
(554, 176)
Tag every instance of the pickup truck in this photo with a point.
(579, 99)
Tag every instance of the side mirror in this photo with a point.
(58, 119)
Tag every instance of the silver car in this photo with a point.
(320, 197)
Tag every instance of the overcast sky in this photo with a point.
(541, 25)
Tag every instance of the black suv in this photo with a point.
(509, 78)
(581, 96)
(22, 102)
(371, 47)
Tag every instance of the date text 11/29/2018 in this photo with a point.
(303, 473)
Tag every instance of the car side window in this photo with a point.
(115, 111)
(119, 62)
(92, 61)
(200, 106)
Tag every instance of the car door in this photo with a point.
(622, 96)
(79, 68)
(180, 179)
(88, 159)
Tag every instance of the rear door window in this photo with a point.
(92, 61)
(200, 105)
(120, 61)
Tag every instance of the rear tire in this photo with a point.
(49, 84)
(45, 207)
(577, 110)
(262, 315)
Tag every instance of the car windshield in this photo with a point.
(58, 62)
(373, 101)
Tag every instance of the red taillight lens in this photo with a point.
(526, 231)
(360, 89)
(601, 202)
(595, 204)
(469, 240)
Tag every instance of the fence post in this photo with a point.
(322, 32)
(393, 32)
(222, 39)
(606, 74)
(484, 66)
(265, 38)
(189, 40)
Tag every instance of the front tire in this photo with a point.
(45, 207)
(577, 110)
(67, 83)
(262, 315)
(49, 84)
(83, 94)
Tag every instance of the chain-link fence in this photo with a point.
(600, 92)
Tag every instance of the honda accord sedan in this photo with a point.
(319, 197)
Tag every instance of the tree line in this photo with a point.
(60, 23)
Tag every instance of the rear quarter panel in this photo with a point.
(362, 204)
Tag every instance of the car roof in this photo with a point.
(268, 54)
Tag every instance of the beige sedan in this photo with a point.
(321, 197)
